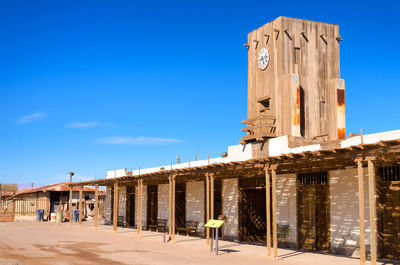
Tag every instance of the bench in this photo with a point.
(191, 226)
(282, 234)
(160, 223)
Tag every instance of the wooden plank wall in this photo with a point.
(318, 68)
(29, 203)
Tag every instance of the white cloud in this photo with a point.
(32, 117)
(136, 140)
(90, 124)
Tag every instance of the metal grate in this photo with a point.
(389, 173)
(314, 178)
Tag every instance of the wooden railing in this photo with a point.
(259, 128)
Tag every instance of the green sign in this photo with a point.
(214, 223)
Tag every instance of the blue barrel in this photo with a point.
(76, 215)
(40, 214)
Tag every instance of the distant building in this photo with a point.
(52, 198)
(5, 187)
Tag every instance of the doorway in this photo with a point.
(388, 212)
(313, 215)
(180, 204)
(252, 210)
(152, 205)
(130, 205)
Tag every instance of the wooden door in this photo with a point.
(152, 205)
(180, 204)
(306, 233)
(313, 215)
(388, 212)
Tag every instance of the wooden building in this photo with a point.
(294, 85)
(295, 179)
(22, 204)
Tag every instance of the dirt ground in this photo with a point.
(52, 243)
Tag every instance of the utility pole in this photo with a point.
(70, 175)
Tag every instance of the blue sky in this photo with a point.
(90, 86)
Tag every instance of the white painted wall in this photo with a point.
(144, 199)
(230, 206)
(286, 204)
(195, 203)
(116, 173)
(163, 201)
(345, 224)
(371, 138)
(108, 203)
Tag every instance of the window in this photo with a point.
(389, 173)
(314, 178)
(296, 55)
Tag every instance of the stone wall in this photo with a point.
(286, 205)
(195, 203)
(163, 201)
(345, 224)
(144, 199)
(230, 207)
(107, 206)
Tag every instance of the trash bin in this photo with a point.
(53, 217)
(76, 215)
(59, 217)
(40, 214)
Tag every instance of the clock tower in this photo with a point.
(294, 84)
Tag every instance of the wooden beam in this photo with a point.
(207, 207)
(268, 201)
(250, 128)
(71, 213)
(96, 206)
(115, 217)
(361, 211)
(274, 223)
(372, 209)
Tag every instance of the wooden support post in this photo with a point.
(71, 214)
(170, 207)
(173, 208)
(274, 225)
(212, 204)
(80, 205)
(268, 201)
(13, 209)
(207, 207)
(36, 202)
(139, 218)
(361, 211)
(372, 209)
(116, 198)
(141, 206)
(96, 206)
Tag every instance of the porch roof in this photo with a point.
(383, 152)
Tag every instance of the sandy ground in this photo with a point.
(51, 243)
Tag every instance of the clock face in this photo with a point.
(263, 58)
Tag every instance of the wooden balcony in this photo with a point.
(259, 129)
